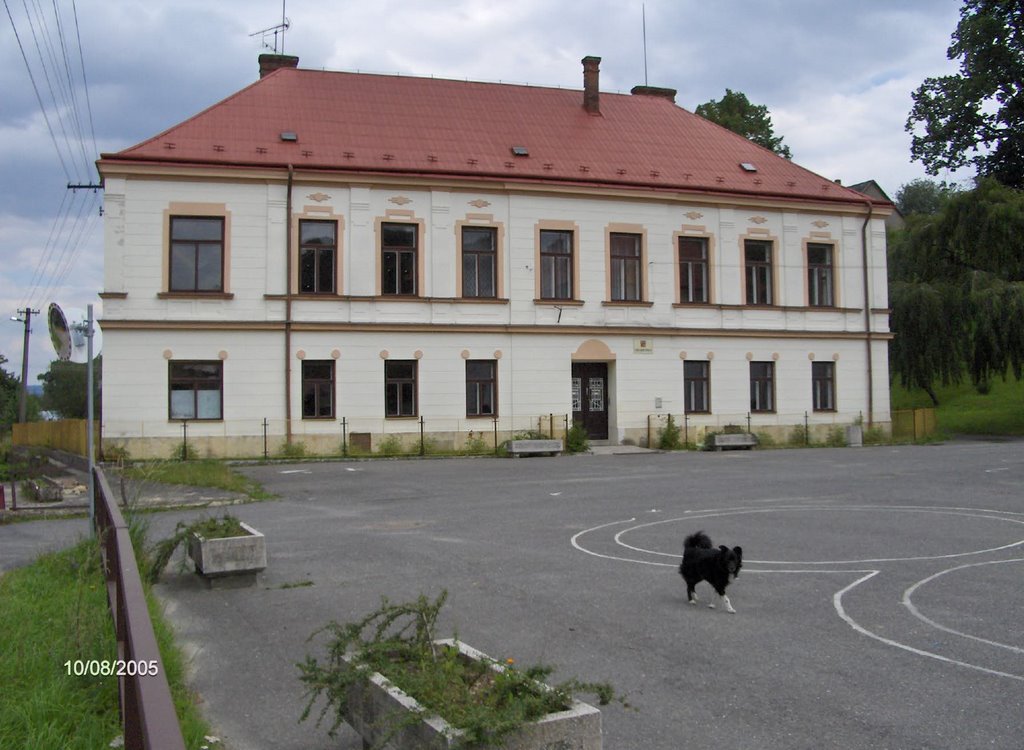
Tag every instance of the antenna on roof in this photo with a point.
(643, 16)
(278, 29)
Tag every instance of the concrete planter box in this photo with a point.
(229, 561)
(378, 709)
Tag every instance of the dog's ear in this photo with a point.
(723, 548)
(738, 551)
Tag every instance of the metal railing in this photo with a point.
(147, 710)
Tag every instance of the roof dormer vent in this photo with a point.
(520, 151)
(746, 166)
(290, 136)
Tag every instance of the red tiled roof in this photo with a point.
(357, 122)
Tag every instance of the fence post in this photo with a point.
(807, 430)
(649, 431)
(686, 430)
(265, 454)
(748, 421)
(495, 421)
(184, 440)
(423, 446)
(344, 437)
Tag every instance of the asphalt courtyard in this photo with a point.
(879, 604)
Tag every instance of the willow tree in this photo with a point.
(957, 290)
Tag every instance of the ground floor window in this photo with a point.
(196, 390)
(400, 387)
(318, 389)
(481, 388)
(823, 384)
(762, 386)
(697, 386)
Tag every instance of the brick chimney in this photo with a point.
(669, 94)
(591, 95)
(270, 63)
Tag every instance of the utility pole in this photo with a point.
(28, 312)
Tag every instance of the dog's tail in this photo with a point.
(699, 540)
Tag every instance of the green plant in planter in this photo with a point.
(209, 528)
(399, 641)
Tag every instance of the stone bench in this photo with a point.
(518, 448)
(733, 440)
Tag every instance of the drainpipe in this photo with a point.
(288, 310)
(867, 313)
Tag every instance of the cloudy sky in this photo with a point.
(835, 76)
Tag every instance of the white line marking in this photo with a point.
(297, 471)
(837, 602)
(906, 509)
(910, 605)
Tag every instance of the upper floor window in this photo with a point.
(318, 251)
(758, 264)
(556, 264)
(479, 261)
(693, 269)
(399, 259)
(197, 254)
(823, 385)
(762, 386)
(626, 277)
(318, 389)
(819, 275)
(697, 386)
(195, 390)
(481, 387)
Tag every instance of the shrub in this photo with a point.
(184, 452)
(399, 641)
(576, 439)
(670, 437)
(390, 446)
(836, 437)
(292, 450)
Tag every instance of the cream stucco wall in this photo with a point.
(145, 327)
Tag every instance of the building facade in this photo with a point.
(334, 258)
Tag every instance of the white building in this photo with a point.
(326, 256)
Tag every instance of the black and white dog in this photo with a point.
(716, 565)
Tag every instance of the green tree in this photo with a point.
(977, 116)
(9, 391)
(65, 389)
(923, 196)
(957, 290)
(735, 112)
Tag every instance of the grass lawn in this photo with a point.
(55, 611)
(199, 473)
(962, 410)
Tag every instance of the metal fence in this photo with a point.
(147, 710)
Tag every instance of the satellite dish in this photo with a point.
(67, 333)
